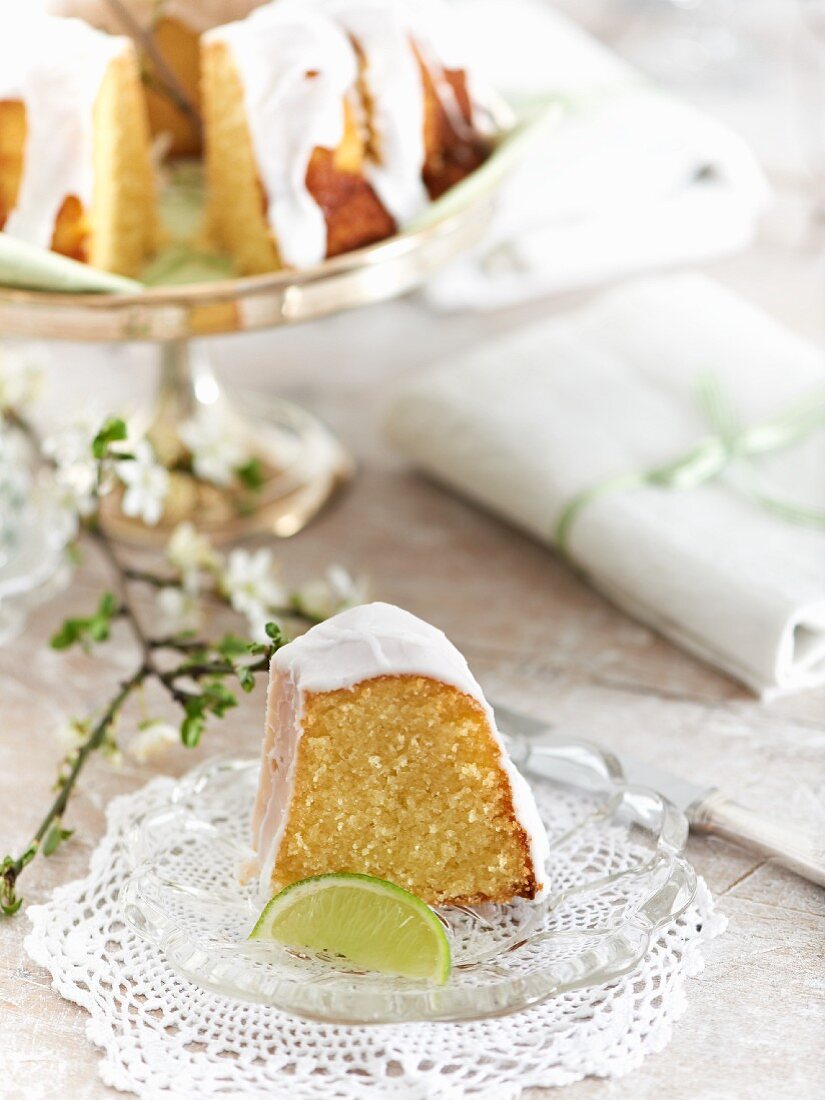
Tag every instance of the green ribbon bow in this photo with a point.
(713, 455)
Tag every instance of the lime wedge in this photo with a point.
(372, 923)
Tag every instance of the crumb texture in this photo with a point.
(237, 203)
(400, 777)
(123, 229)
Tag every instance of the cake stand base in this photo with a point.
(297, 464)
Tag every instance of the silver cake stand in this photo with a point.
(301, 462)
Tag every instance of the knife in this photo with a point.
(707, 809)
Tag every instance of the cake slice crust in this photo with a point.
(76, 171)
(124, 221)
(238, 205)
(401, 777)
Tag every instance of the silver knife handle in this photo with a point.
(787, 845)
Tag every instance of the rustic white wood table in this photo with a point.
(537, 638)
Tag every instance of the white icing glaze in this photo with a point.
(433, 26)
(55, 67)
(396, 94)
(198, 15)
(385, 31)
(288, 116)
(291, 113)
(375, 639)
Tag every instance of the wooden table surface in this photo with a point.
(537, 638)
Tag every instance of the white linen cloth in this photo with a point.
(630, 180)
(524, 424)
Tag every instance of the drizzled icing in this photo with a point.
(277, 45)
(392, 78)
(394, 36)
(297, 69)
(55, 67)
(375, 639)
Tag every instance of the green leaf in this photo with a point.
(50, 844)
(67, 635)
(95, 628)
(28, 855)
(273, 631)
(9, 902)
(108, 605)
(232, 646)
(98, 629)
(191, 730)
(251, 474)
(113, 431)
(218, 698)
(247, 678)
(55, 837)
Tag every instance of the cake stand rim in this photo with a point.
(403, 248)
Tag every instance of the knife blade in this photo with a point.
(707, 809)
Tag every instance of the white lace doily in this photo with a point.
(162, 1037)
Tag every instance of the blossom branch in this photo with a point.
(50, 833)
(199, 683)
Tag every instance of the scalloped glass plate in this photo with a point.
(617, 876)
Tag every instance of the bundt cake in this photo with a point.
(166, 33)
(381, 756)
(328, 124)
(75, 166)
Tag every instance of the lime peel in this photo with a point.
(369, 921)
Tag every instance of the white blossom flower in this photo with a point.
(147, 483)
(15, 479)
(75, 475)
(21, 376)
(334, 592)
(71, 733)
(190, 552)
(152, 740)
(111, 753)
(216, 455)
(179, 609)
(251, 584)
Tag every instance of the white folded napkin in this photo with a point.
(631, 179)
(525, 424)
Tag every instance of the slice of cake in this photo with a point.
(420, 118)
(75, 166)
(329, 124)
(284, 151)
(166, 33)
(381, 756)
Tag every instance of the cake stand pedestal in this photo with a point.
(300, 462)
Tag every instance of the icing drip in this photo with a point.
(297, 70)
(389, 33)
(373, 640)
(55, 67)
(433, 27)
(289, 115)
(395, 92)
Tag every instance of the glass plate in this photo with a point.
(616, 870)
